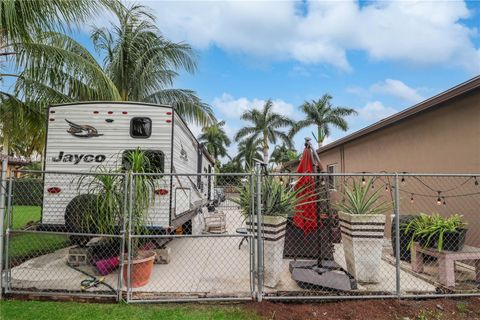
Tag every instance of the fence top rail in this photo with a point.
(246, 174)
(82, 173)
(237, 174)
(375, 174)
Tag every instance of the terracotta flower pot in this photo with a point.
(141, 269)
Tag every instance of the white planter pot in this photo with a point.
(273, 243)
(362, 238)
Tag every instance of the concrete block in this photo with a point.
(79, 256)
(163, 255)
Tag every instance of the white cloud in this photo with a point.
(233, 108)
(398, 89)
(375, 111)
(415, 32)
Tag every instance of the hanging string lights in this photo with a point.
(439, 195)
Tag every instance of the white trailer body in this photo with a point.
(82, 136)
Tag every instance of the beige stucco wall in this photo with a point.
(443, 140)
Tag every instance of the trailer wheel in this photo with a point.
(75, 214)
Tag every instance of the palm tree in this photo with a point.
(282, 154)
(143, 64)
(20, 23)
(248, 150)
(139, 65)
(266, 125)
(215, 140)
(322, 114)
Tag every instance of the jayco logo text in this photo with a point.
(76, 158)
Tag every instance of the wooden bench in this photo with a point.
(446, 261)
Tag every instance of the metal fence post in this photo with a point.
(122, 233)
(253, 263)
(260, 266)
(129, 237)
(3, 188)
(397, 237)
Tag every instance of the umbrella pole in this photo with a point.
(317, 168)
(316, 163)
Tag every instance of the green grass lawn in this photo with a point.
(21, 215)
(38, 310)
(29, 245)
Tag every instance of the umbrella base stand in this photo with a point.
(324, 275)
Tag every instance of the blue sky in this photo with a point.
(376, 57)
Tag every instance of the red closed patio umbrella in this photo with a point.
(305, 216)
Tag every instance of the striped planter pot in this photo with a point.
(362, 238)
(273, 228)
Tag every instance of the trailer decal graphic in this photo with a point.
(82, 130)
(76, 158)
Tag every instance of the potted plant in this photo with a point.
(108, 190)
(362, 223)
(278, 202)
(405, 236)
(136, 164)
(435, 231)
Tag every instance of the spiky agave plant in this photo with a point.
(360, 199)
(278, 199)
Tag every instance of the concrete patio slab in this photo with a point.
(209, 265)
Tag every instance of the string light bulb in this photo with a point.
(386, 187)
(476, 181)
(403, 179)
(439, 200)
(363, 180)
(411, 198)
(322, 182)
(444, 202)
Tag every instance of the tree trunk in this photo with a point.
(265, 147)
(265, 155)
(320, 136)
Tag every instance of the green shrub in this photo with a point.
(27, 192)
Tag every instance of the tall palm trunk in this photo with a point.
(265, 147)
(320, 136)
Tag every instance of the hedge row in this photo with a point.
(27, 192)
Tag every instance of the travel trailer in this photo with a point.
(82, 136)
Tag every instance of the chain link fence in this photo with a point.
(245, 236)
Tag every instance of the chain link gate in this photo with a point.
(226, 242)
(50, 246)
(210, 256)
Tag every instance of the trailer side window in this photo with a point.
(140, 127)
(156, 160)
